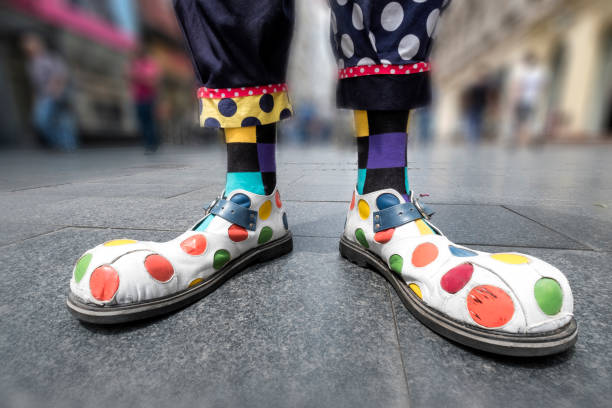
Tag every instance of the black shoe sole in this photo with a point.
(493, 341)
(137, 311)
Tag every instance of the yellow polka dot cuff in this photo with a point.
(242, 107)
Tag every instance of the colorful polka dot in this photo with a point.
(81, 267)
(384, 236)
(424, 254)
(220, 258)
(549, 295)
(512, 259)
(250, 121)
(364, 209)
(266, 103)
(285, 113)
(212, 123)
(352, 202)
(227, 107)
(159, 267)
(265, 210)
(396, 263)
(237, 233)
(117, 242)
(462, 252)
(423, 228)
(417, 291)
(279, 203)
(360, 236)
(241, 199)
(264, 235)
(455, 279)
(386, 200)
(490, 306)
(104, 282)
(195, 282)
(285, 223)
(194, 245)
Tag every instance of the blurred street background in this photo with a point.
(513, 73)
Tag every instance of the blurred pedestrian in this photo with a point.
(52, 113)
(144, 77)
(476, 98)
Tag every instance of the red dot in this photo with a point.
(104, 282)
(424, 254)
(352, 201)
(279, 204)
(194, 245)
(384, 236)
(455, 279)
(159, 267)
(490, 306)
(237, 233)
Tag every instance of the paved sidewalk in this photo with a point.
(308, 329)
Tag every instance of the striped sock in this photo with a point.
(251, 163)
(381, 151)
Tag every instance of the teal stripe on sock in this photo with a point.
(204, 224)
(361, 175)
(249, 181)
(406, 180)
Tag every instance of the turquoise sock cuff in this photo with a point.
(249, 181)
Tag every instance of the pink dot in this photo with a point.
(159, 267)
(455, 279)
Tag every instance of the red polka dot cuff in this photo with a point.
(383, 69)
(218, 93)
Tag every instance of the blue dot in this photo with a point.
(461, 251)
(285, 113)
(386, 200)
(241, 199)
(227, 107)
(266, 103)
(250, 121)
(211, 123)
(285, 223)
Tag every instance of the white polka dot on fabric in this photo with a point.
(386, 61)
(341, 2)
(348, 49)
(372, 40)
(392, 16)
(408, 46)
(334, 25)
(432, 21)
(357, 17)
(419, 1)
(366, 61)
(341, 63)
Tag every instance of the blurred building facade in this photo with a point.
(97, 39)
(572, 39)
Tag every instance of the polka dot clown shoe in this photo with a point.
(505, 303)
(125, 280)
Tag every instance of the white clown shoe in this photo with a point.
(505, 303)
(125, 280)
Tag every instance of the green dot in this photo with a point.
(221, 258)
(396, 262)
(549, 295)
(360, 235)
(81, 267)
(264, 235)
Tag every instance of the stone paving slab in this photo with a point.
(303, 330)
(442, 373)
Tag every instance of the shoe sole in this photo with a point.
(143, 310)
(493, 341)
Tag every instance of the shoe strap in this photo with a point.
(234, 213)
(400, 214)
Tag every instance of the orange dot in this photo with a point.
(194, 245)
(159, 267)
(104, 282)
(352, 202)
(237, 233)
(424, 254)
(490, 306)
(384, 236)
(279, 204)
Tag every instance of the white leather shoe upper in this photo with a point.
(125, 271)
(510, 292)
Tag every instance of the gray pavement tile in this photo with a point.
(18, 231)
(589, 224)
(304, 330)
(442, 373)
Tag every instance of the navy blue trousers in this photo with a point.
(240, 49)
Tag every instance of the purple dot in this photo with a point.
(211, 123)
(266, 103)
(227, 107)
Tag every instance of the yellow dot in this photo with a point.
(423, 228)
(415, 288)
(265, 210)
(195, 282)
(117, 242)
(512, 259)
(364, 209)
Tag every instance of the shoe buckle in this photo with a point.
(420, 208)
(212, 204)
